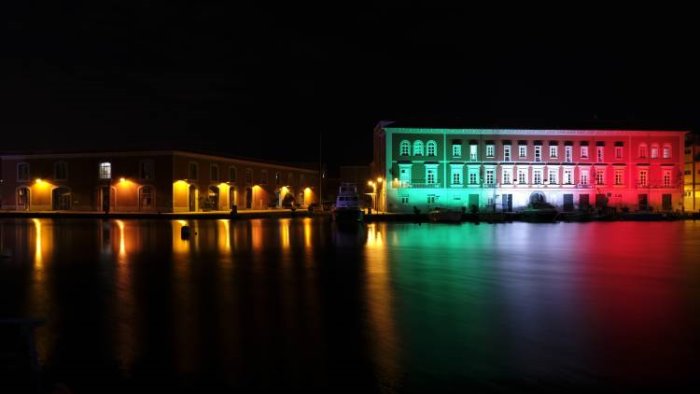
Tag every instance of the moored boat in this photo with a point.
(347, 204)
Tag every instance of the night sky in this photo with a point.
(264, 82)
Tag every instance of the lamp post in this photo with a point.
(378, 196)
(374, 191)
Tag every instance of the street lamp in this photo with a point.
(379, 182)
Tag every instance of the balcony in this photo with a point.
(584, 186)
(424, 185)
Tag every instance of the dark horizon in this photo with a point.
(264, 83)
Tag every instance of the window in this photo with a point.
(666, 151)
(522, 176)
(568, 177)
(404, 199)
(431, 173)
(456, 176)
(405, 148)
(418, 148)
(618, 152)
(619, 177)
(553, 175)
(263, 178)
(490, 151)
(60, 171)
(642, 151)
(249, 175)
(600, 177)
(146, 170)
(584, 152)
(538, 152)
(667, 178)
(232, 174)
(472, 152)
(599, 153)
(214, 172)
(522, 151)
(654, 151)
(473, 177)
(553, 151)
(506, 153)
(490, 176)
(290, 179)
(193, 172)
(643, 177)
(568, 153)
(431, 199)
(537, 176)
(456, 150)
(105, 170)
(507, 176)
(23, 172)
(583, 177)
(431, 148)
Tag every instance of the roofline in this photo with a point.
(21, 156)
(538, 132)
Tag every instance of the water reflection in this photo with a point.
(304, 304)
(380, 306)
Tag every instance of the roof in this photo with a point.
(531, 124)
(153, 152)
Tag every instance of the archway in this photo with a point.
(23, 198)
(248, 197)
(537, 198)
(213, 198)
(232, 197)
(61, 199)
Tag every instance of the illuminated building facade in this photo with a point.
(507, 170)
(691, 173)
(157, 181)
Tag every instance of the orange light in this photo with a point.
(380, 180)
(370, 183)
(39, 181)
(122, 180)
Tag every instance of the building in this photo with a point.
(156, 181)
(510, 169)
(691, 192)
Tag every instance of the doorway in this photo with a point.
(507, 202)
(23, 198)
(192, 198)
(248, 197)
(61, 199)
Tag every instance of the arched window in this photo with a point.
(654, 151)
(405, 148)
(418, 148)
(431, 148)
(642, 151)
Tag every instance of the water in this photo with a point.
(297, 304)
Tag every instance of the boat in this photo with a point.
(442, 215)
(347, 204)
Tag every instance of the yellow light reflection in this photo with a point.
(379, 296)
(256, 234)
(224, 236)
(284, 233)
(307, 233)
(38, 255)
(122, 242)
(180, 246)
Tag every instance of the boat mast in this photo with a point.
(320, 170)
